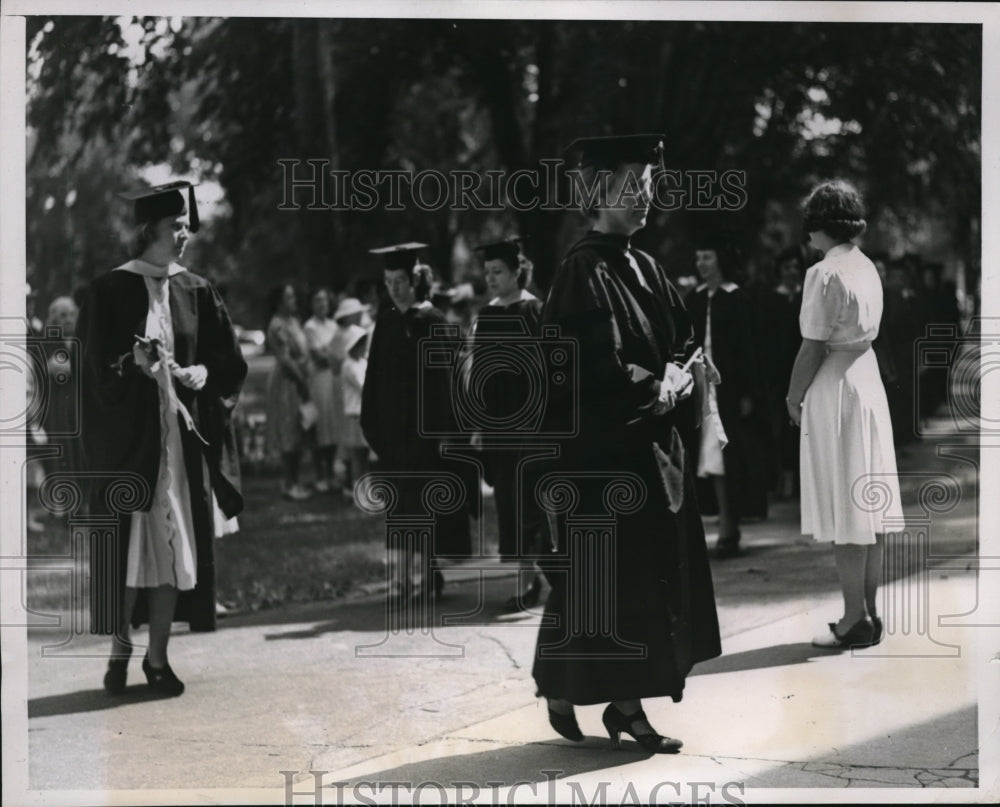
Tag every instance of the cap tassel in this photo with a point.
(195, 222)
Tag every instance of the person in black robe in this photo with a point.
(635, 428)
(506, 325)
(392, 399)
(791, 263)
(141, 403)
(740, 484)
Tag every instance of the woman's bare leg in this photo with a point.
(162, 604)
(873, 573)
(121, 644)
(851, 563)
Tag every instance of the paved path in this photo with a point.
(298, 690)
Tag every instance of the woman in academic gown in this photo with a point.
(732, 450)
(393, 397)
(631, 453)
(161, 374)
(511, 319)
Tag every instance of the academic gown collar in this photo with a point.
(140, 267)
(525, 296)
(622, 242)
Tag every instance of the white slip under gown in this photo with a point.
(713, 435)
(850, 489)
(161, 549)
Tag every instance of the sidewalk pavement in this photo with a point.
(274, 695)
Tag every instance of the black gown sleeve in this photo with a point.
(581, 305)
(219, 351)
(119, 404)
(371, 403)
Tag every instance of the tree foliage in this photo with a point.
(895, 106)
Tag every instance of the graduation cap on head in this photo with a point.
(508, 250)
(400, 256)
(162, 201)
(611, 152)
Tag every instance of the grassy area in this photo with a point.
(325, 548)
(285, 552)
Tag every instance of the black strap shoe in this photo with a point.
(114, 678)
(162, 679)
(616, 722)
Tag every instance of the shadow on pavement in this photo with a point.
(779, 655)
(90, 700)
(941, 752)
(464, 604)
(534, 763)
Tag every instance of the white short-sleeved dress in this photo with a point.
(850, 490)
(324, 384)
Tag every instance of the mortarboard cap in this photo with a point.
(508, 250)
(161, 201)
(400, 256)
(612, 152)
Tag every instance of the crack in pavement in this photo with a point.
(503, 647)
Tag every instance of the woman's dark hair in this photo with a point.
(726, 254)
(329, 299)
(836, 208)
(522, 267)
(274, 296)
(792, 253)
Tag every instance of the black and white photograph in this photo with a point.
(499, 403)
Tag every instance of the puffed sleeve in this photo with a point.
(578, 302)
(823, 300)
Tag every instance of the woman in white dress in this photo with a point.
(320, 329)
(837, 398)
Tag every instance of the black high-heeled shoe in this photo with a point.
(162, 679)
(877, 633)
(566, 725)
(860, 634)
(616, 722)
(115, 677)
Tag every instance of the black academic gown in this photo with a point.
(506, 393)
(735, 355)
(661, 603)
(393, 396)
(121, 428)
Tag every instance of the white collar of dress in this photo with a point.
(140, 267)
(523, 297)
(727, 287)
(839, 249)
(423, 304)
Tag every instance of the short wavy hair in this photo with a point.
(835, 207)
(143, 236)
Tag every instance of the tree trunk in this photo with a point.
(327, 71)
